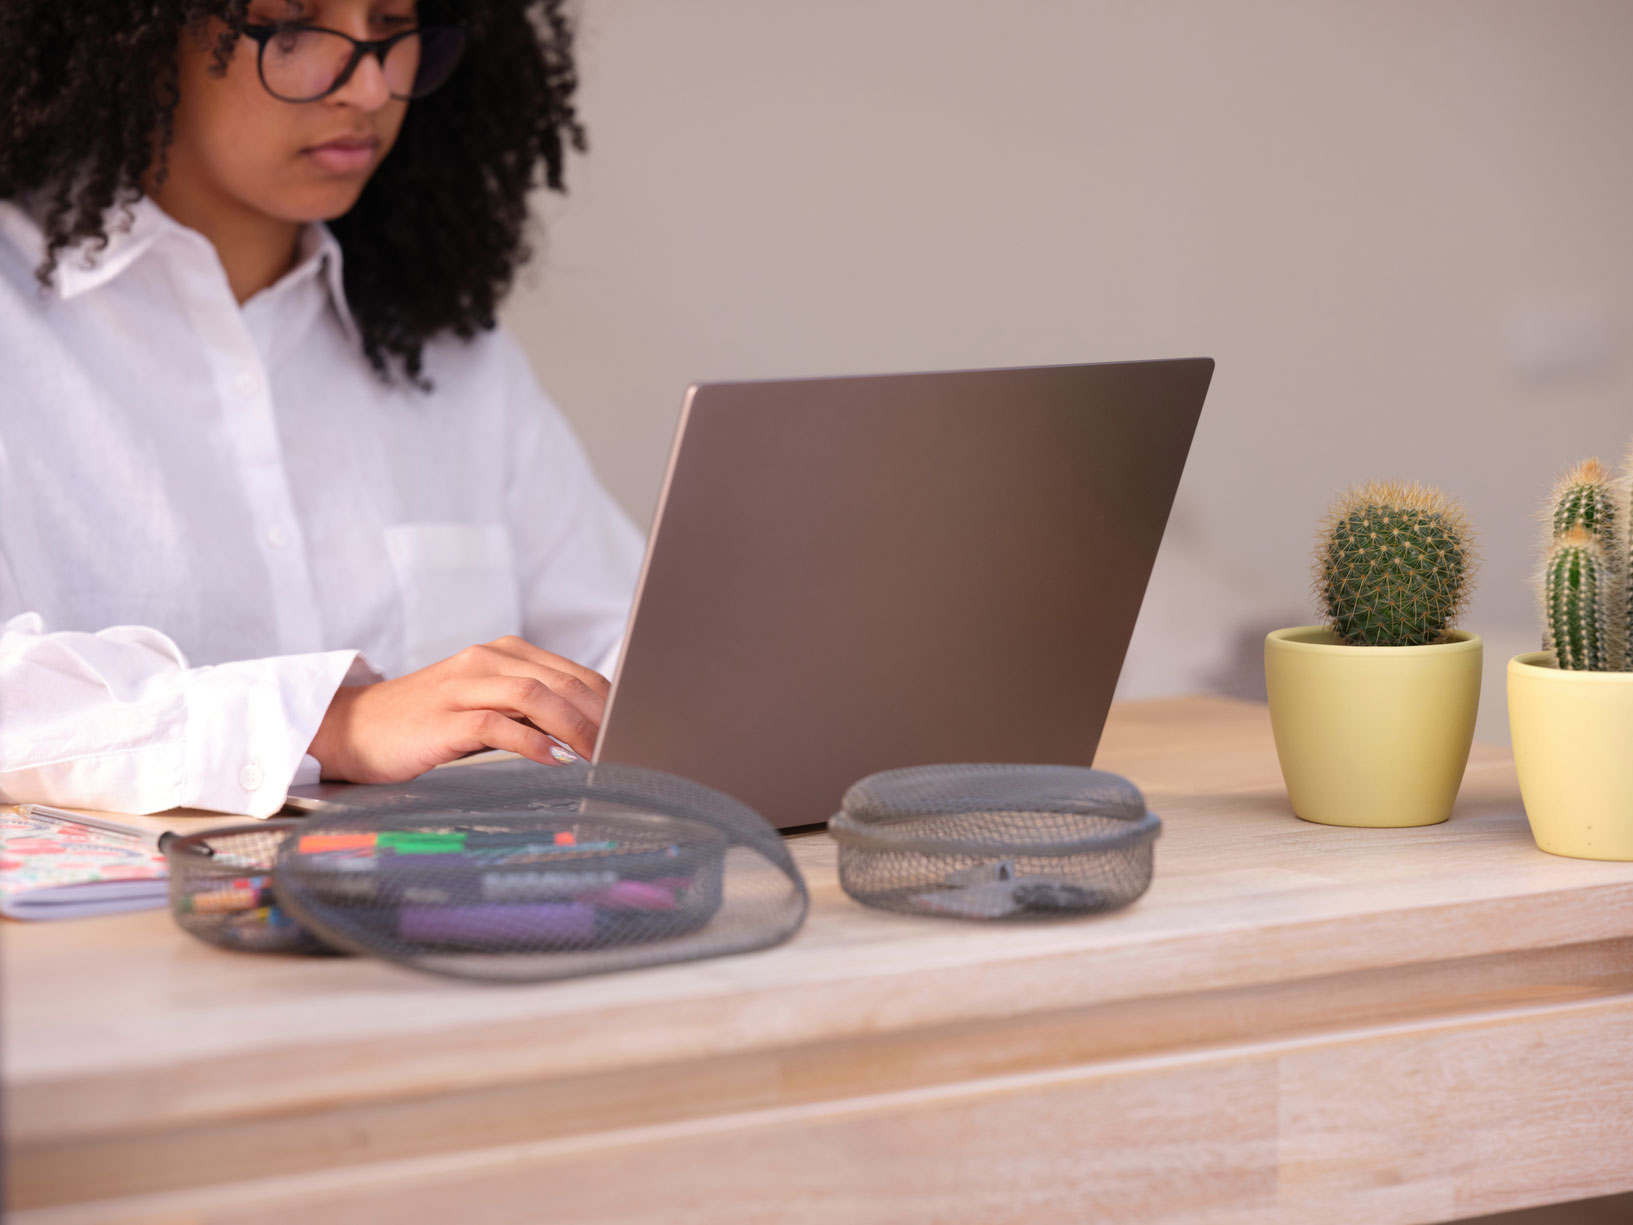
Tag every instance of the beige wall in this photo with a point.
(1402, 229)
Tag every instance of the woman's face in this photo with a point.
(235, 144)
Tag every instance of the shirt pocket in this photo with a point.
(457, 584)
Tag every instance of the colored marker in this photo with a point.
(499, 928)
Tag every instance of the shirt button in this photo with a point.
(277, 537)
(246, 384)
(250, 777)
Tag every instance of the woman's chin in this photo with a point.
(319, 201)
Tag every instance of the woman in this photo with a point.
(253, 464)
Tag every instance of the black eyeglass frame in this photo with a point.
(377, 47)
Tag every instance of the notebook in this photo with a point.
(60, 863)
(70, 863)
(55, 866)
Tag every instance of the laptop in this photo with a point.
(853, 574)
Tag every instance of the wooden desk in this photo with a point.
(1297, 1024)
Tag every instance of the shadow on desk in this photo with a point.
(1609, 1210)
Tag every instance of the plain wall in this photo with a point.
(1400, 228)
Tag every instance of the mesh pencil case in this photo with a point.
(980, 841)
(519, 871)
(221, 889)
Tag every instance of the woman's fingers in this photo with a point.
(524, 650)
(496, 731)
(563, 676)
(540, 699)
(517, 680)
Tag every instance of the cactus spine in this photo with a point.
(1580, 590)
(1392, 564)
(1626, 558)
(1586, 594)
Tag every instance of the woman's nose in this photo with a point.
(366, 88)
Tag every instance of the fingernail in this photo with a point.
(565, 756)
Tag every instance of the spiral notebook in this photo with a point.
(56, 864)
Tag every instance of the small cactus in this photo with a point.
(1588, 591)
(1579, 593)
(1587, 496)
(1392, 564)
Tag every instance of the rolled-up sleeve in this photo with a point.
(578, 554)
(118, 720)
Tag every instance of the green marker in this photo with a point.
(415, 842)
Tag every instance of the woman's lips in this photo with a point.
(349, 155)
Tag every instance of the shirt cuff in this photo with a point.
(362, 672)
(249, 723)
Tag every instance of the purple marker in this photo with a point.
(497, 927)
(639, 894)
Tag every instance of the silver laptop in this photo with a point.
(847, 575)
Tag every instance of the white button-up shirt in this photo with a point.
(211, 516)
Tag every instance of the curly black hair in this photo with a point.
(87, 104)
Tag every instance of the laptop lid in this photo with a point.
(854, 574)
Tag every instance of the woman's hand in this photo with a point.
(505, 694)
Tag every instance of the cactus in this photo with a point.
(1587, 496)
(1392, 565)
(1580, 591)
(1587, 597)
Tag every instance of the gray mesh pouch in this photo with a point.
(979, 841)
(519, 871)
(221, 889)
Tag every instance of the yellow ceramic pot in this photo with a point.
(1372, 736)
(1573, 749)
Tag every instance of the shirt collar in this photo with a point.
(87, 265)
(334, 275)
(319, 255)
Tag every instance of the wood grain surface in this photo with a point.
(1296, 1023)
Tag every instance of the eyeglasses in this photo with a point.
(301, 63)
